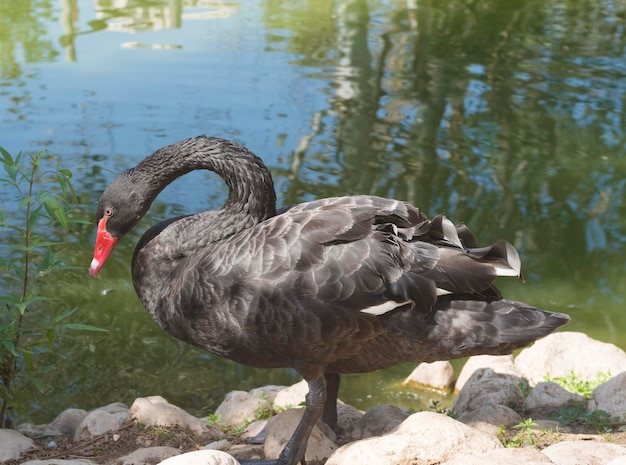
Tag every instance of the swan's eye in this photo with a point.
(108, 212)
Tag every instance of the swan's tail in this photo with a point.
(470, 327)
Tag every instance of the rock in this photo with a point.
(156, 411)
(98, 422)
(68, 422)
(281, 427)
(413, 441)
(378, 420)
(13, 444)
(498, 363)
(610, 397)
(485, 387)
(347, 418)
(268, 392)
(559, 354)
(59, 462)
(513, 456)
(618, 461)
(148, 456)
(222, 444)
(240, 407)
(292, 396)
(247, 451)
(255, 432)
(115, 407)
(546, 398)
(65, 423)
(490, 417)
(583, 452)
(436, 375)
(548, 426)
(201, 457)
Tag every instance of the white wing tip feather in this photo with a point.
(503, 270)
(383, 308)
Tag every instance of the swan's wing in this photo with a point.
(364, 254)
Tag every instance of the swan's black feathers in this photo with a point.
(334, 277)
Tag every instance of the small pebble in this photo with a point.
(116, 437)
(52, 445)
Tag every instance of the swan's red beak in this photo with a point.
(105, 243)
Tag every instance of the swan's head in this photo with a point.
(121, 206)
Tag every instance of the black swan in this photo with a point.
(339, 285)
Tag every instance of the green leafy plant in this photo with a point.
(435, 406)
(574, 382)
(569, 414)
(602, 421)
(237, 430)
(213, 419)
(599, 420)
(267, 409)
(36, 208)
(524, 436)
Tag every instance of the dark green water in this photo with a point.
(508, 116)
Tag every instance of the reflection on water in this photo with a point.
(138, 16)
(508, 116)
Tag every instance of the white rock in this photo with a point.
(583, 452)
(202, 457)
(436, 375)
(267, 392)
(378, 420)
(414, 442)
(239, 408)
(65, 423)
(515, 456)
(148, 456)
(292, 396)
(618, 461)
(13, 444)
(98, 422)
(156, 411)
(281, 427)
(485, 387)
(561, 353)
(549, 397)
(498, 363)
(610, 397)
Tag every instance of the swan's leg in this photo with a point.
(296, 446)
(329, 414)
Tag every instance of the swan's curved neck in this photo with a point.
(171, 243)
(251, 190)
